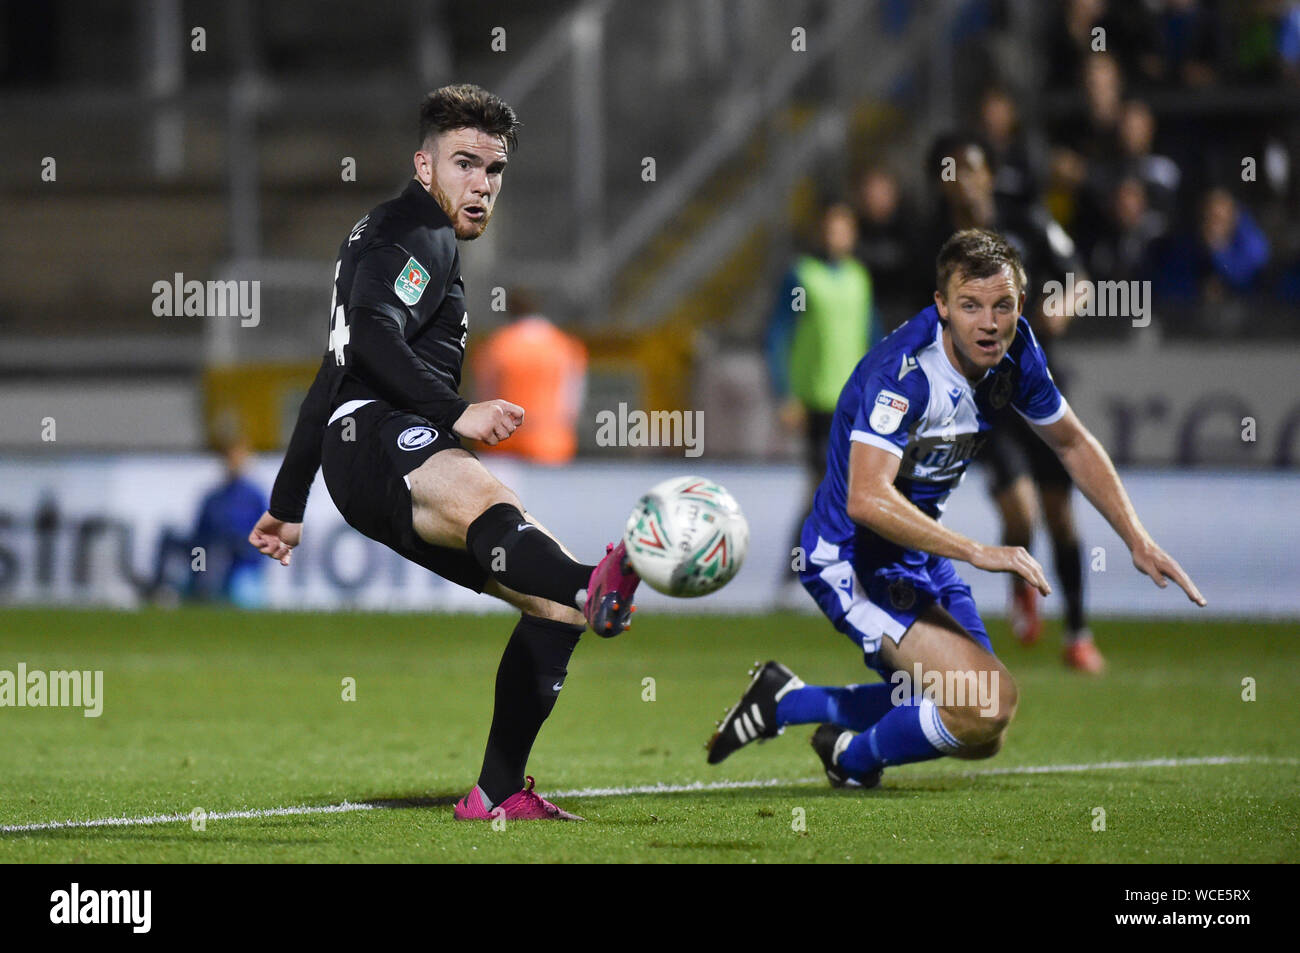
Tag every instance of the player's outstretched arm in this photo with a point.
(302, 456)
(280, 528)
(1090, 466)
(276, 538)
(874, 502)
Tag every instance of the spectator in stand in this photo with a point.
(1122, 251)
(1187, 31)
(1236, 247)
(884, 242)
(1288, 41)
(1127, 30)
(532, 363)
(1082, 146)
(1010, 150)
(1159, 174)
(1215, 266)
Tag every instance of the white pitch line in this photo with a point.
(1125, 765)
(694, 786)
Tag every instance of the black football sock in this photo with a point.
(1016, 538)
(529, 679)
(1069, 569)
(1010, 538)
(523, 558)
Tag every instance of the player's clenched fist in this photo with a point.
(490, 421)
(275, 538)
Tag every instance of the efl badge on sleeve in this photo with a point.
(888, 412)
(410, 283)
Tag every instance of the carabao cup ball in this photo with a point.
(687, 537)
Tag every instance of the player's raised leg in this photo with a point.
(456, 503)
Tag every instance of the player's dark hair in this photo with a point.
(466, 106)
(977, 253)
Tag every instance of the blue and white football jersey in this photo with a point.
(907, 398)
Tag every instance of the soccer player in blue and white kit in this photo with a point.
(878, 561)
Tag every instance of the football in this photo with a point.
(687, 537)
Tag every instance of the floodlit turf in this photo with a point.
(227, 711)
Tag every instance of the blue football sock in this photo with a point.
(856, 707)
(910, 732)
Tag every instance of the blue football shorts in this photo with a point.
(868, 602)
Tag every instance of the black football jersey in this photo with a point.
(397, 332)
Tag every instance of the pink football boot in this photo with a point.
(521, 806)
(609, 593)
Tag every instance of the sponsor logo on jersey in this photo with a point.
(413, 438)
(888, 412)
(909, 364)
(410, 283)
(941, 457)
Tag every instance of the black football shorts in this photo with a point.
(366, 478)
(1013, 450)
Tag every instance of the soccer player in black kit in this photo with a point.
(383, 420)
(1019, 462)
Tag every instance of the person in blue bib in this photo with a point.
(877, 559)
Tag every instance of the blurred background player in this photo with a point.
(821, 325)
(532, 363)
(1024, 472)
(885, 240)
(231, 572)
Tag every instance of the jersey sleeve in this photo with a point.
(889, 410)
(302, 458)
(387, 290)
(391, 281)
(1036, 397)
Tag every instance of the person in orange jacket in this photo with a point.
(532, 363)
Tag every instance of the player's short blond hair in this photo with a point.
(977, 253)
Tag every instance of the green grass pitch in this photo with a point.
(226, 711)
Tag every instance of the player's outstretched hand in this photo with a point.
(1159, 565)
(490, 421)
(275, 538)
(1014, 559)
